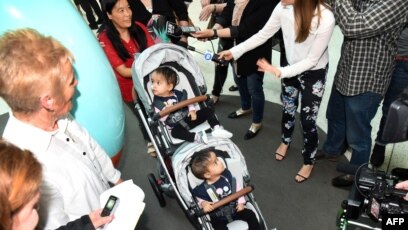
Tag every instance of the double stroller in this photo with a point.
(175, 179)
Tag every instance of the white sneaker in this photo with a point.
(215, 99)
(201, 137)
(221, 133)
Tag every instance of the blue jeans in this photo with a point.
(348, 118)
(251, 93)
(399, 81)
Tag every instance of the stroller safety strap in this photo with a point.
(178, 116)
(227, 210)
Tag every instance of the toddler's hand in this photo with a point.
(167, 104)
(240, 207)
(193, 115)
(207, 206)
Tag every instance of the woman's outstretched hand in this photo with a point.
(226, 55)
(207, 33)
(265, 66)
(206, 12)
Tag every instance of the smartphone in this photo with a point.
(189, 29)
(110, 206)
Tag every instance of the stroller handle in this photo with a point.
(230, 198)
(180, 105)
(233, 196)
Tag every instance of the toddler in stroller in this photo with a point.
(219, 183)
(185, 161)
(163, 81)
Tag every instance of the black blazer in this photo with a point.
(162, 7)
(254, 17)
(167, 7)
(139, 12)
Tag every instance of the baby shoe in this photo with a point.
(215, 99)
(201, 137)
(220, 132)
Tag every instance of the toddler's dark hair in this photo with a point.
(168, 73)
(199, 162)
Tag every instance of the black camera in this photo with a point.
(373, 196)
(396, 126)
(381, 195)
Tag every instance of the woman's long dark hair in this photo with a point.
(304, 11)
(135, 31)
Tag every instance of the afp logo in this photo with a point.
(395, 222)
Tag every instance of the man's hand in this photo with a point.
(404, 186)
(97, 220)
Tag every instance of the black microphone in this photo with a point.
(216, 58)
(173, 30)
(210, 56)
(207, 55)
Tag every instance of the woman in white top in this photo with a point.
(307, 26)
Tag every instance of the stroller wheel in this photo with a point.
(156, 189)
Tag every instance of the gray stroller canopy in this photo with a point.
(155, 56)
(181, 159)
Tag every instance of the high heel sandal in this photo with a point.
(302, 177)
(281, 155)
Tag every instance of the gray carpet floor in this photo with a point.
(284, 203)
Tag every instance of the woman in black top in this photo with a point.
(170, 9)
(240, 20)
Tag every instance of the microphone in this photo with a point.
(173, 30)
(210, 56)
